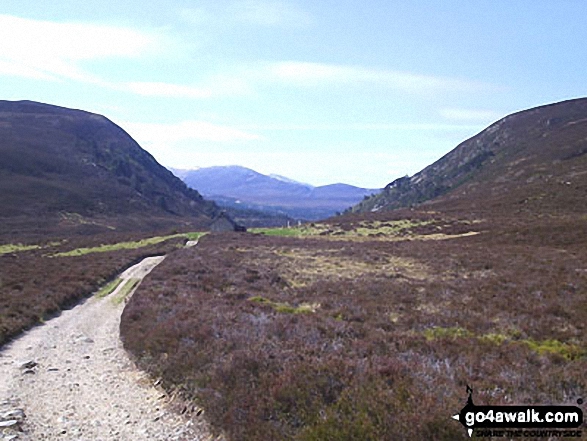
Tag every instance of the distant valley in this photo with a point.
(243, 188)
(472, 271)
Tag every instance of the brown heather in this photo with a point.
(327, 338)
(365, 327)
(35, 286)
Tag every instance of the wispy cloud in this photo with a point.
(317, 74)
(13, 69)
(470, 115)
(165, 134)
(54, 51)
(51, 51)
(188, 143)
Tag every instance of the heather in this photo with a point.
(38, 280)
(343, 333)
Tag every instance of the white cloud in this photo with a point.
(13, 69)
(470, 114)
(50, 50)
(318, 74)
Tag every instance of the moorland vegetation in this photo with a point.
(371, 325)
(367, 326)
(38, 280)
(368, 335)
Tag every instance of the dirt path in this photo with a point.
(70, 379)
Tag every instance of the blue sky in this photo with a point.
(318, 91)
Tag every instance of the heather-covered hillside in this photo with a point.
(64, 166)
(531, 161)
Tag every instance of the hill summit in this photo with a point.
(71, 165)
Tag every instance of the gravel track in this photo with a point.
(71, 379)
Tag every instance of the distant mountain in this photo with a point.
(235, 186)
(534, 161)
(67, 165)
(285, 179)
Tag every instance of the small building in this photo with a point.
(223, 222)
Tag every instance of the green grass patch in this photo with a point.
(194, 235)
(131, 245)
(542, 347)
(303, 308)
(301, 231)
(551, 346)
(109, 288)
(15, 247)
(393, 229)
(125, 291)
(283, 232)
(389, 228)
(496, 338)
(449, 333)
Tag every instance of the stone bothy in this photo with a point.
(223, 222)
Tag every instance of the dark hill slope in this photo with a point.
(57, 162)
(532, 161)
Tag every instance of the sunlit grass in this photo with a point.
(126, 289)
(17, 247)
(304, 230)
(393, 230)
(542, 347)
(127, 245)
(303, 308)
(109, 288)
(12, 248)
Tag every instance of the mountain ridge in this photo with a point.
(235, 186)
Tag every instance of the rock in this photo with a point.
(15, 414)
(29, 364)
(9, 423)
